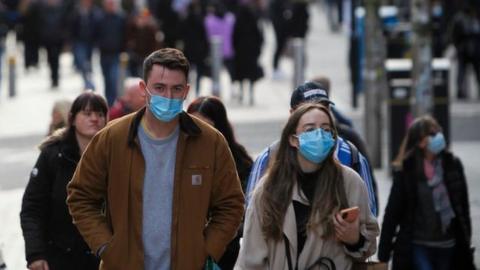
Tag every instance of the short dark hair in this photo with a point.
(169, 58)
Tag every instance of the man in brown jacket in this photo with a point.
(157, 189)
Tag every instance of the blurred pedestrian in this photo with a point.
(211, 110)
(29, 31)
(132, 100)
(280, 16)
(111, 42)
(51, 239)
(439, 24)
(169, 19)
(143, 37)
(312, 92)
(195, 42)
(219, 23)
(247, 44)
(427, 221)
(466, 38)
(334, 16)
(60, 115)
(84, 22)
(293, 221)
(179, 222)
(53, 22)
(298, 24)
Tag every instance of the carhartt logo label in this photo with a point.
(196, 180)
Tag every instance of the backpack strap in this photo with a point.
(355, 161)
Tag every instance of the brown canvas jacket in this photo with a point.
(205, 185)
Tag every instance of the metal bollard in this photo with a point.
(216, 63)
(122, 74)
(12, 76)
(298, 47)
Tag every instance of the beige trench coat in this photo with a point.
(257, 253)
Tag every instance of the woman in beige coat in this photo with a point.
(296, 207)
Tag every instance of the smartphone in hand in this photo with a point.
(350, 214)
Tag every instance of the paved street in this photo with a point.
(24, 120)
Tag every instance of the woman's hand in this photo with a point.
(347, 232)
(39, 265)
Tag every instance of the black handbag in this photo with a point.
(325, 262)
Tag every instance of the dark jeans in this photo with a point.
(201, 70)
(53, 57)
(30, 54)
(430, 258)
(110, 64)
(281, 35)
(82, 53)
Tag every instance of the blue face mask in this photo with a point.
(165, 109)
(315, 145)
(436, 143)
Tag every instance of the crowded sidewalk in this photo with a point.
(24, 120)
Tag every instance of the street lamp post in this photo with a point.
(422, 57)
(374, 78)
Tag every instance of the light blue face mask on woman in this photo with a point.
(436, 143)
(315, 145)
(165, 109)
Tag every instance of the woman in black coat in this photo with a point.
(247, 43)
(427, 219)
(51, 239)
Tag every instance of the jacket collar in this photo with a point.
(298, 195)
(187, 125)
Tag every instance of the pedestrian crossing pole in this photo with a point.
(298, 48)
(216, 63)
(124, 58)
(12, 91)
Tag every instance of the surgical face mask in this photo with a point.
(165, 109)
(315, 145)
(436, 143)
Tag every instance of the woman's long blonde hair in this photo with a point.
(276, 191)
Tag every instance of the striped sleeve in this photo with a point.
(367, 177)
(258, 169)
